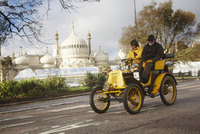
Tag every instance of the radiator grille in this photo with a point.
(114, 78)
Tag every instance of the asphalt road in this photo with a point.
(74, 116)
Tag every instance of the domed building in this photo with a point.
(47, 60)
(122, 54)
(101, 58)
(21, 60)
(75, 52)
(72, 53)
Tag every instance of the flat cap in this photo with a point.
(151, 38)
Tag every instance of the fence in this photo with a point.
(186, 75)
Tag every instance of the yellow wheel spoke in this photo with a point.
(134, 98)
(99, 102)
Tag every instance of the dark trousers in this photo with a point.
(145, 72)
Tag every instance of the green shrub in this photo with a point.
(55, 82)
(26, 85)
(9, 89)
(33, 88)
(99, 79)
(79, 89)
(91, 80)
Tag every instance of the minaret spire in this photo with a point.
(47, 51)
(20, 52)
(0, 46)
(57, 47)
(89, 42)
(72, 26)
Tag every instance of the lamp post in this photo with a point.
(135, 20)
(1, 66)
(2, 39)
(0, 45)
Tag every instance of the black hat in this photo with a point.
(134, 42)
(151, 38)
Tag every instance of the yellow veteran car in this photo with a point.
(124, 86)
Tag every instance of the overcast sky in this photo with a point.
(104, 20)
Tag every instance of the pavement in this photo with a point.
(74, 115)
(43, 99)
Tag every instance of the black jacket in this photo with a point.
(154, 52)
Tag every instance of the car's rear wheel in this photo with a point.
(168, 90)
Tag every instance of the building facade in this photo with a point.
(73, 52)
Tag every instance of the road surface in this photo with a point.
(74, 116)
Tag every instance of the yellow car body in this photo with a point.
(123, 86)
(118, 79)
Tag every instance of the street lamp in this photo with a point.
(136, 20)
(0, 44)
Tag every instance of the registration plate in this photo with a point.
(136, 75)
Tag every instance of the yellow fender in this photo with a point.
(157, 83)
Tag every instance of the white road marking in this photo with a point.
(38, 108)
(118, 112)
(90, 111)
(75, 125)
(70, 108)
(63, 103)
(23, 109)
(196, 89)
(89, 120)
(146, 109)
(55, 117)
(15, 118)
(62, 133)
(16, 125)
(116, 105)
(55, 126)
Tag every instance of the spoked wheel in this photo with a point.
(168, 90)
(99, 101)
(133, 98)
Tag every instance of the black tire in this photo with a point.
(102, 99)
(133, 98)
(168, 90)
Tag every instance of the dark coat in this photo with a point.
(154, 52)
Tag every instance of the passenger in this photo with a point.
(136, 51)
(152, 52)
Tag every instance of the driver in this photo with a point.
(152, 52)
(135, 52)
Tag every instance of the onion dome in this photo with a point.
(22, 59)
(101, 57)
(74, 47)
(47, 59)
(120, 55)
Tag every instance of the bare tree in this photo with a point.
(20, 17)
